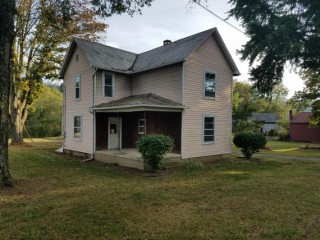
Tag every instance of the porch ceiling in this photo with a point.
(143, 102)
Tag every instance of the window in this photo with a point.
(77, 86)
(107, 85)
(209, 85)
(141, 126)
(77, 127)
(208, 129)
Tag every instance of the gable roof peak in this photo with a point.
(113, 59)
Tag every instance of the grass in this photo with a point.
(58, 197)
(291, 149)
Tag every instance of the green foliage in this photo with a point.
(249, 143)
(107, 8)
(247, 126)
(279, 32)
(193, 165)
(247, 100)
(43, 31)
(309, 97)
(44, 119)
(153, 148)
(273, 133)
(284, 135)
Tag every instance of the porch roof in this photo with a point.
(143, 102)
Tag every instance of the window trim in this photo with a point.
(79, 139)
(103, 85)
(209, 115)
(144, 126)
(75, 87)
(204, 85)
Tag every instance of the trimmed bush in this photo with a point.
(249, 142)
(153, 148)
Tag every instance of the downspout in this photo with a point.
(94, 78)
(63, 130)
(93, 112)
(182, 112)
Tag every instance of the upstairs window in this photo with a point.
(208, 128)
(77, 127)
(209, 85)
(77, 87)
(141, 126)
(107, 85)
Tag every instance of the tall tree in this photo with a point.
(7, 13)
(280, 32)
(43, 28)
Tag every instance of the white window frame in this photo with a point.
(141, 126)
(204, 84)
(75, 87)
(203, 128)
(74, 127)
(103, 85)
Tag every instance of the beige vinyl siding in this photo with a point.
(165, 82)
(79, 107)
(208, 57)
(122, 87)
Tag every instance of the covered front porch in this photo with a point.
(120, 123)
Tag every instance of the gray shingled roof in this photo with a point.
(105, 57)
(266, 117)
(113, 59)
(143, 100)
(175, 52)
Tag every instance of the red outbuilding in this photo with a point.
(300, 130)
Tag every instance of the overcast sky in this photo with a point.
(176, 19)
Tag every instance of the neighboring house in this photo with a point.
(182, 89)
(269, 119)
(300, 131)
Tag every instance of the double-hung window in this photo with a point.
(209, 85)
(107, 85)
(141, 126)
(77, 127)
(208, 129)
(77, 87)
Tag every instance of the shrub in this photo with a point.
(193, 165)
(273, 133)
(284, 135)
(153, 148)
(249, 142)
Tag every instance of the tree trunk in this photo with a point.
(17, 124)
(7, 13)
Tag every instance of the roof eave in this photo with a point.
(235, 70)
(67, 58)
(139, 106)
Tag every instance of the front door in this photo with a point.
(114, 133)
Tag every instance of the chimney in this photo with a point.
(166, 42)
(290, 115)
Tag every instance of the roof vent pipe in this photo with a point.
(166, 42)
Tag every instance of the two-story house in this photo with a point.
(182, 89)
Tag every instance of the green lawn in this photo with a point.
(58, 197)
(291, 149)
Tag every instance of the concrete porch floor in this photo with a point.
(130, 157)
